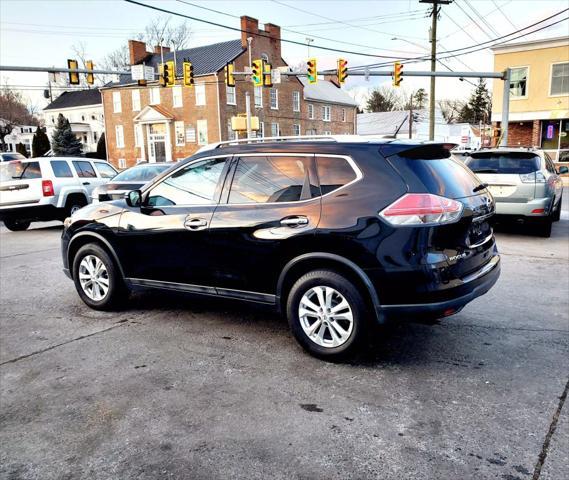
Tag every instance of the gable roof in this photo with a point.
(205, 60)
(325, 91)
(76, 98)
(387, 123)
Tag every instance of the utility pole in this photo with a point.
(434, 14)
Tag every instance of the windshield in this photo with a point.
(141, 173)
(7, 157)
(19, 171)
(504, 162)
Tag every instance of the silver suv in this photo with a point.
(524, 184)
(48, 188)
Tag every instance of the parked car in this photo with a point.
(524, 183)
(337, 233)
(10, 156)
(47, 188)
(132, 178)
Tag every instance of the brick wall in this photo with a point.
(519, 134)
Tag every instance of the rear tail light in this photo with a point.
(533, 177)
(422, 209)
(47, 188)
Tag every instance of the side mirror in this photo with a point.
(563, 169)
(134, 198)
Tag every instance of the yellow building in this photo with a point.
(539, 94)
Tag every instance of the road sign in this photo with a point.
(276, 76)
(142, 72)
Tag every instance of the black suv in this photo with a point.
(336, 233)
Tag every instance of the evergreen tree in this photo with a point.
(40, 143)
(420, 99)
(64, 142)
(479, 106)
(382, 99)
(20, 148)
(102, 147)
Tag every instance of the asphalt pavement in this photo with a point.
(176, 387)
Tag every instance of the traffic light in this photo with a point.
(189, 74)
(90, 76)
(267, 78)
(73, 76)
(397, 74)
(229, 78)
(168, 75)
(342, 71)
(312, 72)
(257, 72)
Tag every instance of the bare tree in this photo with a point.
(116, 60)
(450, 108)
(161, 32)
(13, 112)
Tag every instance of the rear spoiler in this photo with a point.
(424, 151)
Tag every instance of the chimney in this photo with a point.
(250, 28)
(274, 32)
(137, 51)
(332, 77)
(159, 50)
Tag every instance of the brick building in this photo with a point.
(162, 124)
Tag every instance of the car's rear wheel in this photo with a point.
(97, 279)
(543, 226)
(557, 211)
(327, 314)
(17, 225)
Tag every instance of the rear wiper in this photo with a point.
(482, 186)
(486, 170)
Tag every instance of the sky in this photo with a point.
(42, 32)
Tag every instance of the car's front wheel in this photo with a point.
(327, 314)
(17, 225)
(97, 278)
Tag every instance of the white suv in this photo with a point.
(48, 188)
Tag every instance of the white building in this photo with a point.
(20, 134)
(84, 110)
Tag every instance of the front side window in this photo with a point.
(177, 101)
(84, 169)
(274, 93)
(258, 97)
(560, 79)
(61, 169)
(195, 184)
(230, 92)
(200, 94)
(296, 101)
(334, 172)
(518, 82)
(271, 180)
(105, 170)
(117, 102)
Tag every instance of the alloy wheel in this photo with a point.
(94, 277)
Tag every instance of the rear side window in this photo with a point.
(61, 169)
(105, 170)
(84, 169)
(506, 162)
(271, 179)
(19, 171)
(334, 173)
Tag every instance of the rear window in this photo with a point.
(61, 169)
(141, 173)
(446, 177)
(507, 162)
(19, 171)
(84, 169)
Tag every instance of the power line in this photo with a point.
(503, 14)
(482, 18)
(461, 29)
(473, 20)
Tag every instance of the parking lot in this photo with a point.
(179, 387)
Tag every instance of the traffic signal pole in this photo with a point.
(433, 69)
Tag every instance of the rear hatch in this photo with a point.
(510, 175)
(467, 243)
(20, 183)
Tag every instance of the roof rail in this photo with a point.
(333, 138)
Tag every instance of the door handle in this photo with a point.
(294, 221)
(86, 183)
(195, 224)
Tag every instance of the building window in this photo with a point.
(518, 82)
(231, 134)
(259, 97)
(296, 101)
(135, 100)
(137, 135)
(177, 101)
(122, 163)
(326, 113)
(179, 133)
(200, 94)
(327, 132)
(274, 129)
(119, 135)
(559, 79)
(274, 98)
(311, 111)
(311, 131)
(296, 129)
(117, 102)
(202, 132)
(230, 93)
(155, 96)
(343, 114)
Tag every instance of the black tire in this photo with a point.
(117, 292)
(74, 203)
(544, 225)
(557, 211)
(327, 278)
(17, 225)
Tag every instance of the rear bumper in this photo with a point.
(36, 212)
(523, 209)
